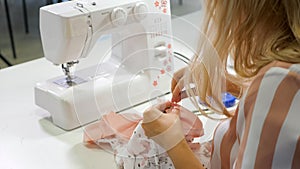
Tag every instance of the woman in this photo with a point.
(263, 38)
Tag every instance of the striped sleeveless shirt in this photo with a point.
(264, 133)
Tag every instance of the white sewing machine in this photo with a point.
(136, 66)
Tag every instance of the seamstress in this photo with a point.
(263, 38)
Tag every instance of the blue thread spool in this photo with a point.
(228, 100)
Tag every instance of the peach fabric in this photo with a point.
(122, 126)
(112, 125)
(123, 135)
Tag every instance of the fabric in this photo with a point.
(124, 136)
(265, 131)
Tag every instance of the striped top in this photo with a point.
(265, 131)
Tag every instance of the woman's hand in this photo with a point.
(164, 128)
(195, 74)
(168, 117)
(178, 84)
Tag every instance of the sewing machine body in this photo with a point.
(134, 65)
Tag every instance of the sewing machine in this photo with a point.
(136, 65)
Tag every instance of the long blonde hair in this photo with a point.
(254, 33)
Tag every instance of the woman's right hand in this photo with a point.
(178, 84)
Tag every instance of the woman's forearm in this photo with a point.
(183, 157)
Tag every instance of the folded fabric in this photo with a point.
(112, 125)
(132, 149)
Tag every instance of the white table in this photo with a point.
(28, 139)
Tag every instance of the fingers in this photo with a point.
(175, 110)
(156, 111)
(163, 106)
(194, 146)
(176, 77)
(189, 139)
(183, 95)
(176, 93)
(153, 113)
(178, 83)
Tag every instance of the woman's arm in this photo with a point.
(166, 130)
(183, 157)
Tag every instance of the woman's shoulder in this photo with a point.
(269, 111)
(275, 73)
(275, 83)
(279, 68)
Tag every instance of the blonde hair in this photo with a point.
(254, 33)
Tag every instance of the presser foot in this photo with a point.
(69, 81)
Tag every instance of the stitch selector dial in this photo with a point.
(118, 16)
(140, 10)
